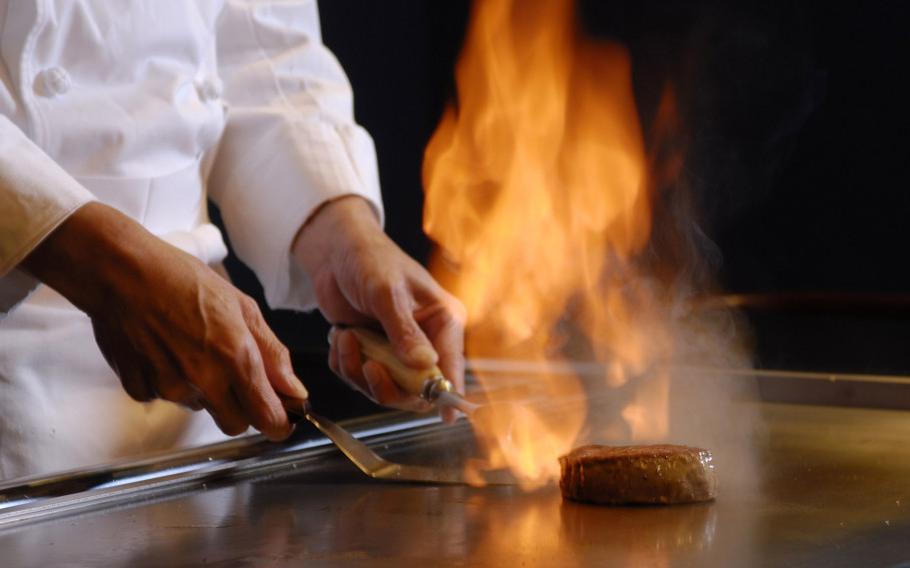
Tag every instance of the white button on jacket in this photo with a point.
(152, 106)
(52, 82)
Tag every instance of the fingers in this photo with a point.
(334, 305)
(192, 338)
(134, 381)
(394, 306)
(384, 390)
(257, 398)
(145, 372)
(447, 335)
(275, 356)
(348, 360)
(444, 321)
(263, 366)
(173, 388)
(345, 360)
(333, 353)
(209, 387)
(369, 377)
(440, 330)
(449, 343)
(124, 362)
(236, 392)
(233, 381)
(164, 375)
(220, 401)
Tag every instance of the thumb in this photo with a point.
(410, 343)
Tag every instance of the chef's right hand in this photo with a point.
(168, 325)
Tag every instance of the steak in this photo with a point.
(652, 475)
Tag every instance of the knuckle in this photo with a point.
(271, 422)
(450, 311)
(240, 353)
(282, 356)
(379, 290)
(249, 305)
(410, 334)
(221, 348)
(243, 358)
(457, 312)
(388, 292)
(454, 330)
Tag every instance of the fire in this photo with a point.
(537, 196)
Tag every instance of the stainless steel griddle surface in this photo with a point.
(833, 490)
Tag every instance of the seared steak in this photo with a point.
(658, 475)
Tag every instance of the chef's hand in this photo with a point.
(361, 277)
(169, 326)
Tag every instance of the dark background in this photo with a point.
(795, 116)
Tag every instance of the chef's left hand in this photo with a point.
(361, 277)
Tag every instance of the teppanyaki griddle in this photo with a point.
(829, 489)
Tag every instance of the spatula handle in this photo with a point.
(419, 382)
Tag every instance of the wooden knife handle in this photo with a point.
(375, 346)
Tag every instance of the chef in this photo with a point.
(117, 121)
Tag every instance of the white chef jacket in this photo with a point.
(151, 106)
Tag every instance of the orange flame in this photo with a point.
(537, 197)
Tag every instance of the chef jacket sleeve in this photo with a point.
(290, 143)
(36, 195)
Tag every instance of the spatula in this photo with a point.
(429, 384)
(366, 459)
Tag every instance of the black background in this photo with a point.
(796, 119)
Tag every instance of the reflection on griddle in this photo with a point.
(644, 533)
